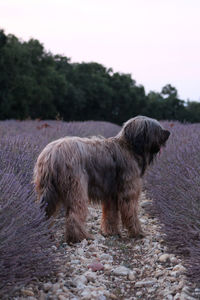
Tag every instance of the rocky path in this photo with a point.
(114, 268)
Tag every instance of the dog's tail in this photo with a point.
(49, 200)
(46, 185)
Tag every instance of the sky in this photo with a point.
(156, 41)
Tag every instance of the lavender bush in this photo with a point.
(25, 244)
(174, 185)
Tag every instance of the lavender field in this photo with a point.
(25, 244)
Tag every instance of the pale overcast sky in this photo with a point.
(157, 41)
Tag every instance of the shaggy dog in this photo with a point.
(74, 171)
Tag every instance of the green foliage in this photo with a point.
(193, 111)
(37, 84)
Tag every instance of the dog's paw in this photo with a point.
(138, 235)
(89, 237)
(72, 239)
(111, 233)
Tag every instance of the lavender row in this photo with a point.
(174, 185)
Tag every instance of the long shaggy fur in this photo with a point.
(74, 171)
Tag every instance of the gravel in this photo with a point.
(113, 267)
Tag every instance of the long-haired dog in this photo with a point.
(74, 171)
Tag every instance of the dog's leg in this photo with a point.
(110, 218)
(129, 216)
(54, 215)
(75, 227)
(76, 213)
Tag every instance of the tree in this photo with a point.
(193, 111)
(169, 91)
(173, 108)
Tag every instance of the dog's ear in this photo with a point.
(139, 143)
(137, 140)
(165, 136)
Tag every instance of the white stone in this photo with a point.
(99, 237)
(181, 284)
(177, 296)
(107, 267)
(75, 261)
(172, 279)
(131, 275)
(91, 276)
(106, 256)
(79, 251)
(112, 296)
(173, 260)
(92, 248)
(179, 268)
(65, 289)
(143, 221)
(102, 297)
(164, 257)
(55, 286)
(159, 273)
(145, 203)
(139, 294)
(185, 296)
(42, 295)
(80, 281)
(27, 292)
(145, 283)
(86, 294)
(166, 292)
(121, 271)
(47, 286)
(174, 273)
(185, 289)
(84, 242)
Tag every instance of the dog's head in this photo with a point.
(145, 136)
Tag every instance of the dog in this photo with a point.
(74, 171)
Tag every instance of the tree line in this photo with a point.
(35, 83)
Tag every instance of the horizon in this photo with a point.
(157, 43)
